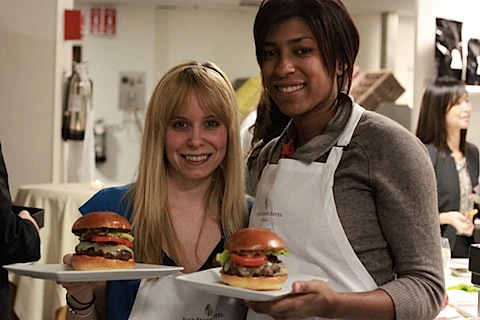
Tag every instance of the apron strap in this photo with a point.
(344, 140)
(347, 133)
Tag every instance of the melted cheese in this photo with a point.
(111, 248)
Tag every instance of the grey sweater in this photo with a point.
(385, 193)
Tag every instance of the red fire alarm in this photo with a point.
(109, 21)
(96, 21)
(103, 21)
(73, 25)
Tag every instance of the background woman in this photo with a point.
(187, 198)
(267, 124)
(442, 126)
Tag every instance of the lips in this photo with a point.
(290, 89)
(196, 158)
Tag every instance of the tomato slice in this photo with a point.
(118, 240)
(248, 260)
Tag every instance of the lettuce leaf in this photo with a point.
(278, 252)
(225, 255)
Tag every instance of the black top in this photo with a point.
(448, 187)
(19, 239)
(209, 263)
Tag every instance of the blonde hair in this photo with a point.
(148, 196)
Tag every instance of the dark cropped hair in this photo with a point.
(334, 30)
(439, 97)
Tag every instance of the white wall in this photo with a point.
(151, 41)
(369, 56)
(131, 49)
(32, 60)
(465, 11)
(405, 59)
(224, 37)
(369, 27)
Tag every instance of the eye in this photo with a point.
(304, 51)
(269, 53)
(212, 123)
(179, 124)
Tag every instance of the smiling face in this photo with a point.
(293, 70)
(196, 143)
(458, 115)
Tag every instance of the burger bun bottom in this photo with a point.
(255, 283)
(84, 262)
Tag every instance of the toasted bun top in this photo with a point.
(101, 219)
(252, 239)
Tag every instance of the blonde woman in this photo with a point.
(188, 197)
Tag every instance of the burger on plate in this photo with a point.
(250, 260)
(105, 242)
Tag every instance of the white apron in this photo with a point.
(295, 200)
(168, 298)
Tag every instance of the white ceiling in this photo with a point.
(406, 7)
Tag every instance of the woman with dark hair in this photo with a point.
(351, 192)
(442, 127)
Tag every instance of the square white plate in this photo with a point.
(459, 267)
(65, 273)
(210, 281)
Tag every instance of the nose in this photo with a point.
(285, 66)
(196, 138)
(466, 107)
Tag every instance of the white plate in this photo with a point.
(459, 267)
(210, 281)
(458, 263)
(65, 273)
